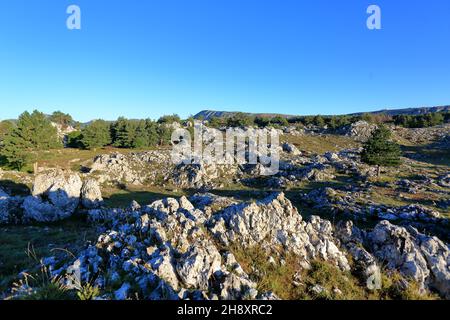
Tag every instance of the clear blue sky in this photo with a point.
(147, 58)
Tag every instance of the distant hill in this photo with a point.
(409, 111)
(208, 114)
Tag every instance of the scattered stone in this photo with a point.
(291, 149)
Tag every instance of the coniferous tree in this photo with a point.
(5, 128)
(33, 132)
(169, 119)
(379, 150)
(96, 135)
(122, 133)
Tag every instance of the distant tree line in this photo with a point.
(32, 132)
(21, 140)
(331, 122)
(422, 120)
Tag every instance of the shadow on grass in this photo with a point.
(123, 198)
(44, 239)
(431, 154)
(15, 189)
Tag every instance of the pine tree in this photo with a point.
(5, 129)
(141, 137)
(124, 133)
(169, 119)
(164, 134)
(96, 135)
(379, 150)
(152, 131)
(32, 133)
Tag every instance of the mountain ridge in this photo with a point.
(208, 114)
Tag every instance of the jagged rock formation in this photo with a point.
(182, 249)
(165, 250)
(423, 258)
(274, 222)
(195, 175)
(166, 254)
(55, 195)
(134, 168)
(360, 130)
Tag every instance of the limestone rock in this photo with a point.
(55, 196)
(424, 259)
(91, 194)
(274, 222)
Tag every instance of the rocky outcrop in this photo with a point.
(365, 264)
(432, 135)
(274, 222)
(422, 258)
(165, 254)
(135, 168)
(349, 203)
(195, 175)
(55, 196)
(360, 130)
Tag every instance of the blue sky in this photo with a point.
(147, 58)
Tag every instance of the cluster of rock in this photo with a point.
(297, 168)
(274, 223)
(171, 249)
(424, 135)
(56, 195)
(63, 131)
(350, 203)
(182, 249)
(195, 175)
(135, 168)
(360, 130)
(424, 259)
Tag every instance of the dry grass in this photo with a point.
(321, 144)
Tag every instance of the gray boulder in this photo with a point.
(291, 149)
(55, 196)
